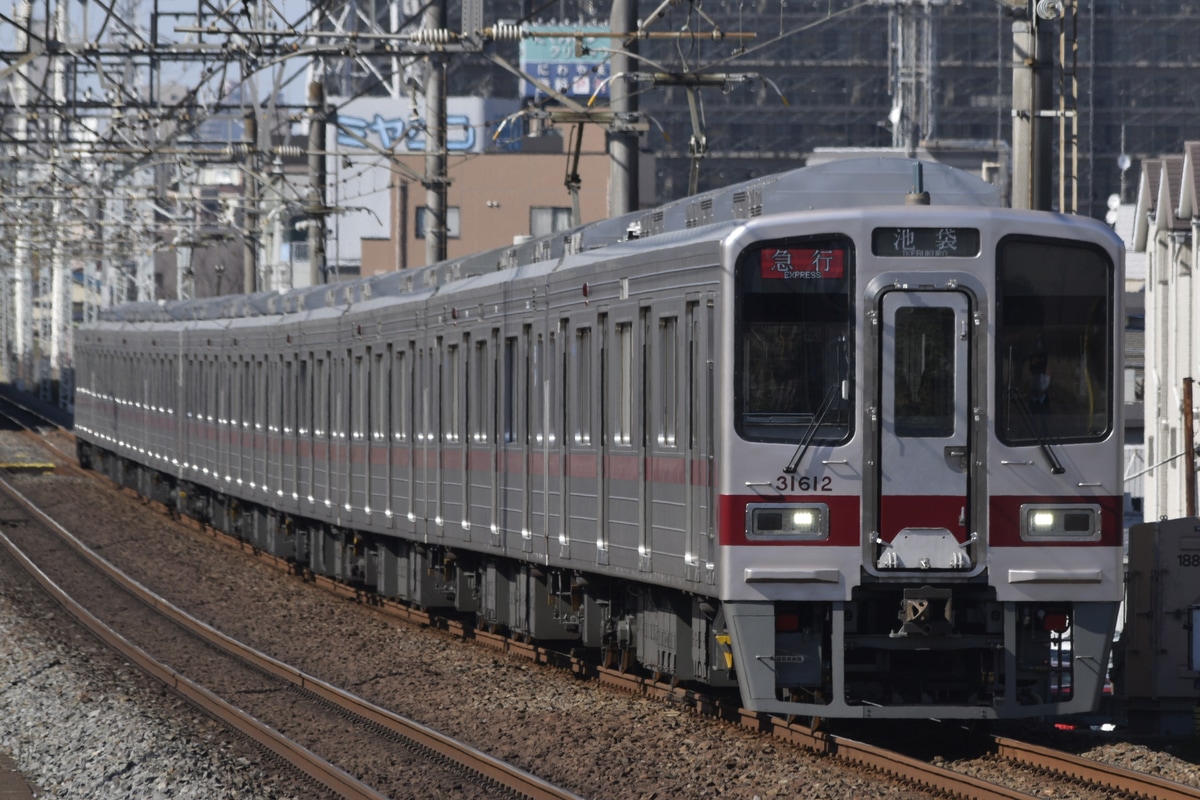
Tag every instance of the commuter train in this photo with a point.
(847, 437)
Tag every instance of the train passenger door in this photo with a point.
(697, 428)
(358, 440)
(924, 513)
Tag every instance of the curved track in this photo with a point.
(210, 667)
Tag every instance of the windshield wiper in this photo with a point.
(817, 419)
(1056, 467)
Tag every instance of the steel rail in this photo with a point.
(304, 760)
(507, 775)
(1095, 772)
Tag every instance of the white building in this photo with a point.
(1165, 227)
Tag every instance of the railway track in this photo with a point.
(312, 725)
(1085, 777)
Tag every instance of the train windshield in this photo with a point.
(793, 364)
(1054, 336)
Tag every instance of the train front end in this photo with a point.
(920, 471)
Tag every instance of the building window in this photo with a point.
(453, 223)
(544, 220)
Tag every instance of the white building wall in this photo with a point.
(1172, 317)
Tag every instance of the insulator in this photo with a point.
(288, 151)
(433, 36)
(506, 32)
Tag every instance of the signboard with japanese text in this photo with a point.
(925, 242)
(561, 65)
(800, 263)
(390, 124)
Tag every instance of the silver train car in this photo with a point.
(848, 440)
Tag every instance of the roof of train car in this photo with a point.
(841, 184)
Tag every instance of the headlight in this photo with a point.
(1072, 522)
(809, 521)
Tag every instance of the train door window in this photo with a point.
(379, 398)
(526, 379)
(401, 401)
(668, 374)
(304, 423)
(1054, 332)
(260, 394)
(924, 372)
(552, 364)
(321, 420)
(174, 401)
(452, 395)
(537, 404)
(479, 391)
(509, 403)
(626, 386)
(342, 396)
(231, 395)
(792, 371)
(581, 387)
(210, 380)
(246, 394)
(290, 399)
(358, 393)
(274, 377)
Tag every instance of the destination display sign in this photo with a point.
(803, 262)
(925, 242)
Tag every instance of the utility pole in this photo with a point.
(250, 202)
(60, 285)
(1033, 88)
(913, 67)
(436, 181)
(623, 139)
(22, 247)
(315, 206)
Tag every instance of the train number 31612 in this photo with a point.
(804, 483)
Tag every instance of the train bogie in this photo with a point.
(862, 461)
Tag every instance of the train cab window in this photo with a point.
(1054, 335)
(794, 325)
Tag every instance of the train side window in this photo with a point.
(1054, 333)
(793, 369)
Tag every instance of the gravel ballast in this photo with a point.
(81, 723)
